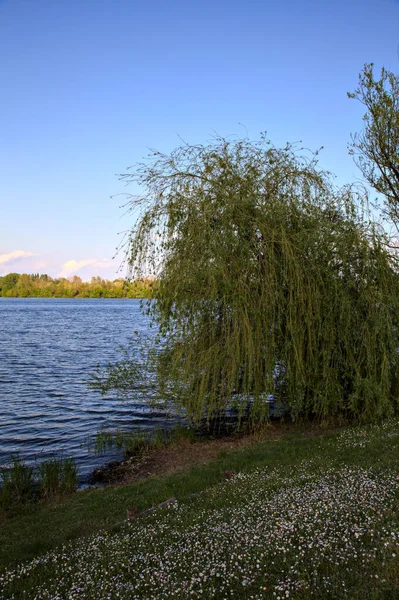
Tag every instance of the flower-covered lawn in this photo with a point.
(326, 532)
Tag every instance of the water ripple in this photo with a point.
(47, 348)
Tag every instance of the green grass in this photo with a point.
(21, 484)
(17, 483)
(307, 514)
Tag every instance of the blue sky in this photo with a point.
(87, 86)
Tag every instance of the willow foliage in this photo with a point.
(270, 282)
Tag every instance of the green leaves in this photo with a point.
(376, 148)
(271, 281)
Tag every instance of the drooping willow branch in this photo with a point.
(271, 281)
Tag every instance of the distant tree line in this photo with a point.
(15, 285)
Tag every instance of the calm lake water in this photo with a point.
(47, 349)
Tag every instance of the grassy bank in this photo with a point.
(308, 512)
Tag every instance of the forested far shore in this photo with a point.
(15, 285)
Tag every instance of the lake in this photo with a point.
(48, 347)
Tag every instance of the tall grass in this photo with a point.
(21, 484)
(17, 483)
(57, 476)
(139, 441)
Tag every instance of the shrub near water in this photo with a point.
(17, 483)
(22, 483)
(139, 442)
(57, 476)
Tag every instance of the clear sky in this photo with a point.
(87, 86)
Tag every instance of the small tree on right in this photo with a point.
(376, 148)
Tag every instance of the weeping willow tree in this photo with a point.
(271, 281)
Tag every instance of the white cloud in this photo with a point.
(29, 262)
(12, 257)
(71, 267)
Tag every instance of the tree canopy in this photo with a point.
(376, 148)
(271, 281)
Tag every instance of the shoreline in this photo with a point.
(184, 453)
(169, 458)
